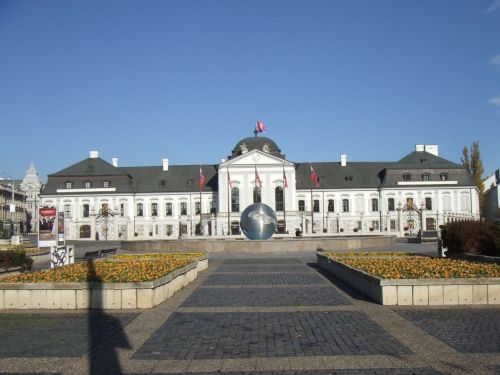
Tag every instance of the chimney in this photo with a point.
(432, 149)
(419, 148)
(114, 161)
(343, 160)
(165, 164)
(94, 154)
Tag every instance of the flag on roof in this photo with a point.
(314, 177)
(285, 181)
(260, 127)
(202, 179)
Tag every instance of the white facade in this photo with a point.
(375, 210)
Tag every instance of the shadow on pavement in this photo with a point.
(103, 354)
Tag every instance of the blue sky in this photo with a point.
(186, 80)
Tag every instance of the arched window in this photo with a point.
(345, 205)
(390, 204)
(302, 205)
(278, 196)
(331, 205)
(428, 203)
(257, 194)
(446, 203)
(235, 199)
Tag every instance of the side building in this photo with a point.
(492, 198)
(102, 200)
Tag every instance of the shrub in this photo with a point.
(13, 258)
(473, 237)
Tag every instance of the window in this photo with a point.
(168, 209)
(390, 204)
(428, 203)
(140, 210)
(375, 225)
(407, 177)
(105, 184)
(374, 204)
(67, 211)
(104, 208)
(348, 178)
(170, 230)
(235, 199)
(257, 194)
(86, 210)
(122, 209)
(197, 208)
(278, 197)
(213, 207)
(69, 185)
(426, 177)
(183, 208)
(302, 205)
(443, 176)
(154, 209)
(446, 203)
(345, 205)
(393, 224)
(88, 184)
(360, 204)
(316, 205)
(331, 205)
(465, 202)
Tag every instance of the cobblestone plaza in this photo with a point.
(256, 316)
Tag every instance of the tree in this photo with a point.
(471, 160)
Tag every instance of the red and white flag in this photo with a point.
(260, 127)
(314, 177)
(229, 180)
(202, 179)
(257, 178)
(285, 181)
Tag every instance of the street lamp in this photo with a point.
(12, 206)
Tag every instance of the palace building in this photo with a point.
(102, 200)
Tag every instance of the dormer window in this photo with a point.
(407, 177)
(87, 184)
(444, 176)
(348, 178)
(69, 185)
(426, 177)
(105, 184)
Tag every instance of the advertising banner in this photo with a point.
(47, 227)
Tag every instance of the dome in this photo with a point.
(256, 143)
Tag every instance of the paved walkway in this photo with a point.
(267, 315)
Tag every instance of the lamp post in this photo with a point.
(12, 206)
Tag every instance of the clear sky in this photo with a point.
(186, 80)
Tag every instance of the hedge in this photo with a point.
(473, 237)
(13, 258)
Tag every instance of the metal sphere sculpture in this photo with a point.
(258, 221)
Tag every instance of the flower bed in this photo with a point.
(402, 279)
(120, 282)
(420, 267)
(117, 269)
(367, 254)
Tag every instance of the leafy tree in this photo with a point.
(471, 160)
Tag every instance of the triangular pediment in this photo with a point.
(256, 157)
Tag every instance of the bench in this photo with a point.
(89, 255)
